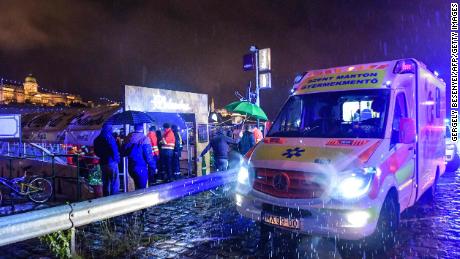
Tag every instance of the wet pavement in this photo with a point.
(208, 226)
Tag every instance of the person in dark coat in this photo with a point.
(155, 153)
(159, 162)
(220, 146)
(177, 151)
(247, 140)
(140, 159)
(105, 147)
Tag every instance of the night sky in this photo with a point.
(94, 47)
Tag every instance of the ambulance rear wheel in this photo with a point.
(453, 165)
(431, 192)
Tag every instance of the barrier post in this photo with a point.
(78, 178)
(53, 173)
(73, 251)
(11, 167)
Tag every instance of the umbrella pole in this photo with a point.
(125, 163)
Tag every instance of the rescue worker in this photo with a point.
(159, 165)
(155, 152)
(177, 151)
(71, 152)
(105, 147)
(257, 135)
(139, 152)
(168, 143)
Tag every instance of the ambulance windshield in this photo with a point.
(344, 114)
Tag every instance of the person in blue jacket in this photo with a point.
(106, 148)
(247, 140)
(138, 149)
(220, 146)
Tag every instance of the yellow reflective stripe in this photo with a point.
(270, 152)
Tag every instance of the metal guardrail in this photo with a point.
(33, 224)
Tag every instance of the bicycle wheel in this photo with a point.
(39, 190)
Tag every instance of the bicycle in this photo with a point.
(37, 189)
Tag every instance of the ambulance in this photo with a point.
(351, 149)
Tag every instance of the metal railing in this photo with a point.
(53, 174)
(33, 224)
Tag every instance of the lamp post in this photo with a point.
(260, 61)
(255, 51)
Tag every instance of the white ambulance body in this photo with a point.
(352, 147)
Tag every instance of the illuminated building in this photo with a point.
(12, 92)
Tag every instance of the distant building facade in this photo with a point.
(28, 92)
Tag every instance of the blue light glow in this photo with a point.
(243, 176)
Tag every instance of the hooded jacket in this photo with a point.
(138, 150)
(105, 147)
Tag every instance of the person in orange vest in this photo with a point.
(71, 151)
(155, 152)
(257, 134)
(168, 143)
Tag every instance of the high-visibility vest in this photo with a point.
(179, 141)
(257, 135)
(154, 142)
(168, 141)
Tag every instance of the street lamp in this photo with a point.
(253, 49)
(260, 61)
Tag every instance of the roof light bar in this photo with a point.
(299, 77)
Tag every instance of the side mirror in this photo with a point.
(407, 131)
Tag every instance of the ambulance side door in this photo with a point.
(403, 158)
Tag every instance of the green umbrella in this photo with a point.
(230, 107)
(247, 108)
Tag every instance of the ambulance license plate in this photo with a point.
(281, 221)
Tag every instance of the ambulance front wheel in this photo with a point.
(384, 236)
(266, 234)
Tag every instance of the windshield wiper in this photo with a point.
(308, 129)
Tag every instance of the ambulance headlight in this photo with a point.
(357, 218)
(356, 184)
(243, 175)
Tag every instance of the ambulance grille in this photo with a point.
(288, 184)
